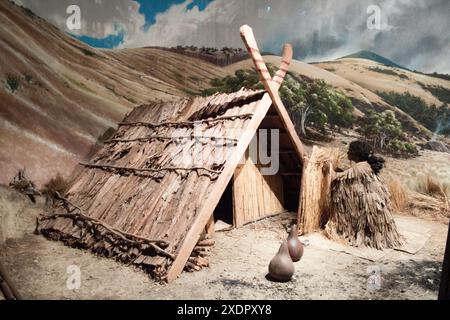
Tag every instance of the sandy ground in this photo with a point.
(238, 268)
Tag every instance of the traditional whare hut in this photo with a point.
(144, 200)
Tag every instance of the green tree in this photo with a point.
(310, 103)
(385, 133)
(432, 117)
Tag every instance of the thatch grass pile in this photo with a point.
(361, 209)
(314, 200)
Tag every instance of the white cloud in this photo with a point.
(99, 17)
(414, 33)
(319, 29)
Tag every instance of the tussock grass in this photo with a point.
(399, 194)
(432, 186)
(56, 185)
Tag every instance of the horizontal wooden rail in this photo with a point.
(186, 123)
(107, 166)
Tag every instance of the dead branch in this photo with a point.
(121, 234)
(185, 123)
(7, 288)
(174, 138)
(107, 166)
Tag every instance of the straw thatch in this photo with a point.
(361, 209)
(148, 196)
(141, 193)
(314, 200)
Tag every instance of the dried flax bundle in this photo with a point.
(361, 209)
(316, 189)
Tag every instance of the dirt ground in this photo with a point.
(238, 268)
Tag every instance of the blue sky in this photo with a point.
(150, 9)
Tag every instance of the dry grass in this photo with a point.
(56, 185)
(428, 199)
(399, 194)
(432, 186)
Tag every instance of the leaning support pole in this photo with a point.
(444, 288)
(6, 287)
(272, 85)
(205, 213)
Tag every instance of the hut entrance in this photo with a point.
(255, 195)
(224, 209)
(252, 193)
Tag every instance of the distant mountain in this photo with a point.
(369, 55)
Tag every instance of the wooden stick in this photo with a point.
(6, 287)
(174, 138)
(102, 166)
(120, 234)
(206, 243)
(186, 123)
(264, 217)
(271, 86)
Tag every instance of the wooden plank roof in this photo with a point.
(144, 183)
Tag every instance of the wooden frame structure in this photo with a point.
(269, 99)
(138, 201)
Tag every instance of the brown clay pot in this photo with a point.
(294, 245)
(281, 267)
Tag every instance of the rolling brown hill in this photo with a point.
(363, 98)
(58, 95)
(375, 77)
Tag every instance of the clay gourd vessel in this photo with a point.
(294, 245)
(281, 267)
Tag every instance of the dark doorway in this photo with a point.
(224, 209)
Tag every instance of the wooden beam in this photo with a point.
(7, 288)
(210, 227)
(444, 287)
(230, 166)
(272, 87)
(211, 202)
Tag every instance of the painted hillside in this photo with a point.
(60, 97)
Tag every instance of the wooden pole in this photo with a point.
(444, 288)
(7, 288)
(262, 108)
(272, 85)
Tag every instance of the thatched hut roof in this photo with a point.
(147, 195)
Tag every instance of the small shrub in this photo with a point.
(12, 82)
(56, 185)
(385, 71)
(21, 183)
(402, 148)
(28, 78)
